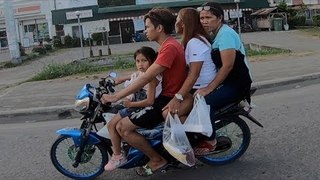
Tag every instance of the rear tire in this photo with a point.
(238, 132)
(63, 152)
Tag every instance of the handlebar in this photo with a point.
(106, 86)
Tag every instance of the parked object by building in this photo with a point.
(269, 18)
(306, 8)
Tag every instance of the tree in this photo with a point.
(282, 6)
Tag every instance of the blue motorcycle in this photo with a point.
(81, 153)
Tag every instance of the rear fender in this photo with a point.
(76, 135)
(251, 118)
(248, 116)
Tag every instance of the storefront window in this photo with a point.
(43, 31)
(37, 33)
(3, 39)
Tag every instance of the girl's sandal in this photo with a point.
(147, 171)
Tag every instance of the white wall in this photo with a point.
(63, 4)
(310, 2)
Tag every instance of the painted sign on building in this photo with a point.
(32, 9)
(83, 14)
(138, 24)
(235, 13)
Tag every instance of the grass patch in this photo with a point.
(314, 31)
(54, 71)
(265, 52)
(123, 63)
(117, 62)
(25, 60)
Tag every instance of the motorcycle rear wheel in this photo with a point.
(63, 153)
(238, 132)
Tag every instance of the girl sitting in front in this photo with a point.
(145, 97)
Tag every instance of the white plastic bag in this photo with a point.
(199, 118)
(175, 141)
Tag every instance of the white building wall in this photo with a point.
(310, 2)
(64, 4)
(24, 15)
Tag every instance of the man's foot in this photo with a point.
(115, 162)
(205, 148)
(147, 171)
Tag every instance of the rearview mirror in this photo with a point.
(113, 74)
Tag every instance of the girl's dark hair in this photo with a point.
(161, 16)
(148, 52)
(216, 9)
(193, 28)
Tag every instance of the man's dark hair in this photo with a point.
(161, 16)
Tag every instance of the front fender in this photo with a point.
(76, 135)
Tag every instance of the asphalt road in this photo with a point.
(286, 148)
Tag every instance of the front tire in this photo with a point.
(238, 132)
(93, 159)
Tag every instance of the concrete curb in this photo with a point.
(38, 114)
(67, 111)
(285, 81)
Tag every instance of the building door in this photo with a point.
(127, 31)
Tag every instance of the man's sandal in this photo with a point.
(205, 148)
(147, 171)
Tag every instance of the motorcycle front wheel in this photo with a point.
(93, 159)
(238, 133)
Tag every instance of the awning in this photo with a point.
(149, 6)
(264, 11)
(244, 4)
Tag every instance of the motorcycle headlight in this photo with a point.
(82, 105)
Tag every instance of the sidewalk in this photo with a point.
(53, 99)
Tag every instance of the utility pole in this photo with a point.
(238, 16)
(55, 4)
(78, 13)
(11, 32)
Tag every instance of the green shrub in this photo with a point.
(316, 20)
(48, 47)
(68, 40)
(40, 50)
(297, 21)
(57, 42)
(97, 37)
(76, 42)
